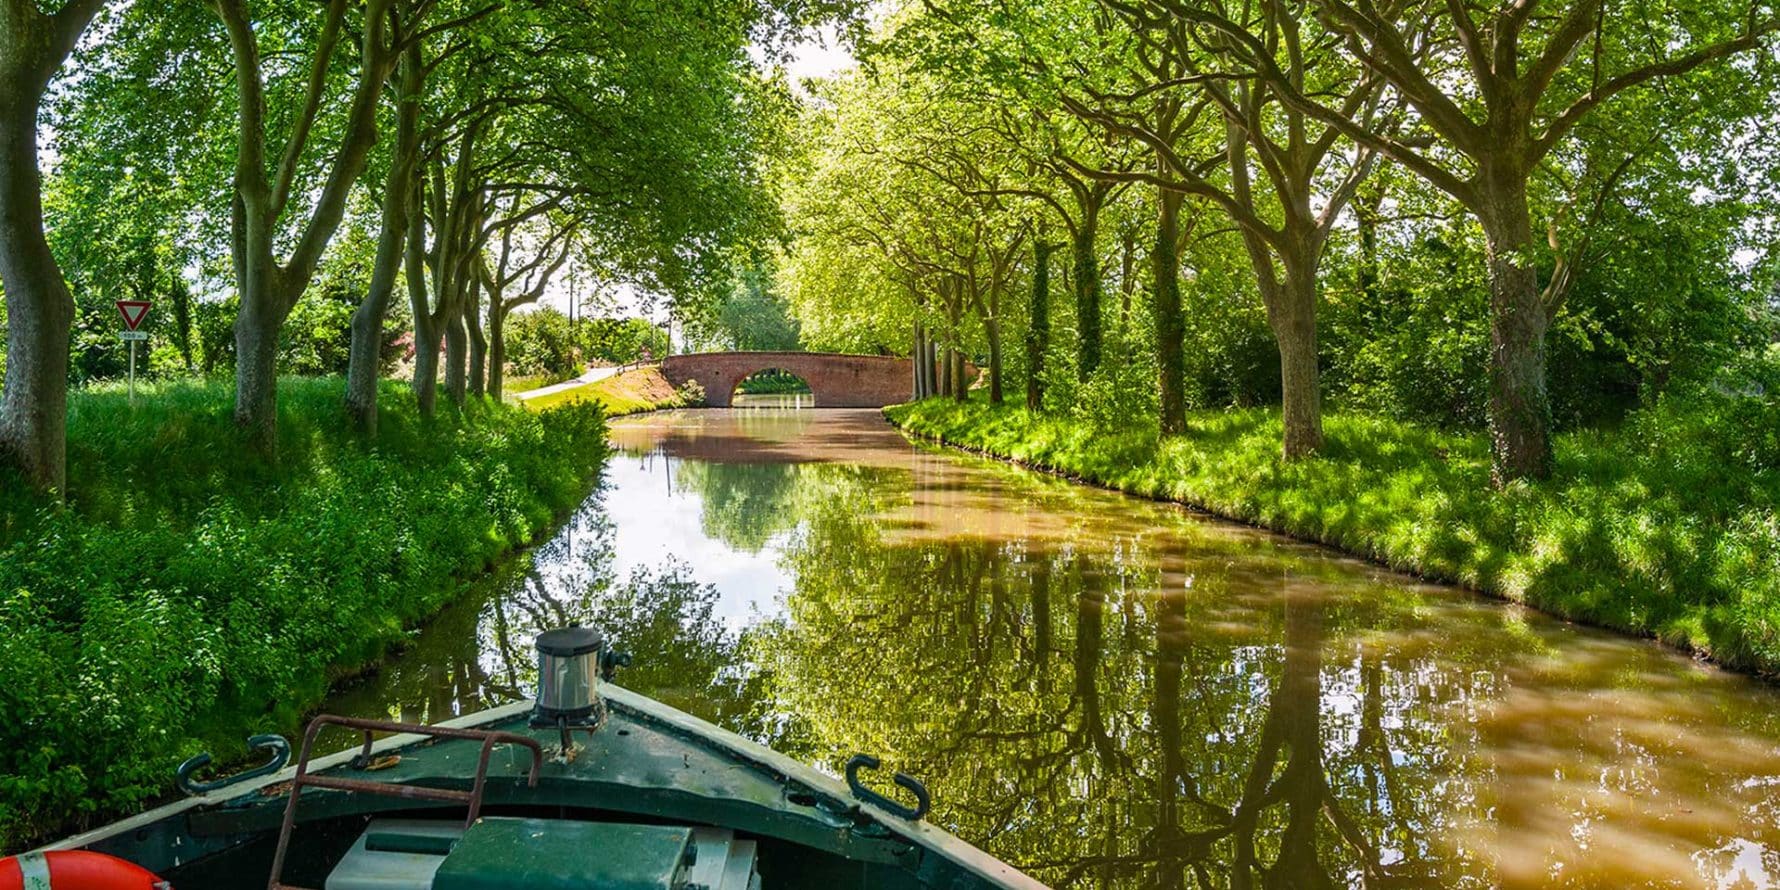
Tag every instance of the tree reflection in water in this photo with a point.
(1114, 694)
(1181, 748)
(478, 652)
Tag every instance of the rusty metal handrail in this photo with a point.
(471, 798)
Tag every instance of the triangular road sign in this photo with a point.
(133, 311)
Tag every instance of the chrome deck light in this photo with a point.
(572, 662)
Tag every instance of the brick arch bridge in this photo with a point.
(836, 380)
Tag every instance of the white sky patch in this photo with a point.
(654, 523)
(821, 53)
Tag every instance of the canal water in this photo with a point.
(1109, 692)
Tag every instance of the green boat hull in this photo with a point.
(649, 765)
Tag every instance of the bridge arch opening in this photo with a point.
(772, 388)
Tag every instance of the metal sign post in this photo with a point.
(133, 311)
(132, 338)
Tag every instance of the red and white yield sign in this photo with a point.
(133, 311)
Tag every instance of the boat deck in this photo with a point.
(648, 764)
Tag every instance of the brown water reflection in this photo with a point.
(1115, 693)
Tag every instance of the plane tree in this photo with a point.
(514, 280)
(1495, 90)
(1286, 177)
(855, 269)
(1160, 79)
(1000, 60)
(39, 310)
(959, 147)
(397, 204)
(640, 121)
(1061, 55)
(271, 162)
(1171, 124)
(279, 224)
(662, 82)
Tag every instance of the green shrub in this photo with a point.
(189, 594)
(690, 394)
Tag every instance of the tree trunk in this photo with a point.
(1087, 292)
(917, 383)
(960, 386)
(1293, 318)
(426, 375)
(478, 343)
(365, 356)
(269, 290)
(258, 318)
(497, 348)
(992, 327)
(256, 368)
(914, 364)
(1519, 407)
(39, 309)
(1170, 322)
(1127, 278)
(930, 364)
(457, 356)
(945, 380)
(257, 323)
(426, 334)
(1038, 332)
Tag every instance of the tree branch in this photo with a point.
(312, 95)
(1588, 101)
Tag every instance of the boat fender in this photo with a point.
(75, 870)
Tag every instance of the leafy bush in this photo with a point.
(190, 594)
(1123, 386)
(542, 342)
(690, 394)
(621, 340)
(538, 343)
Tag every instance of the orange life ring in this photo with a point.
(75, 870)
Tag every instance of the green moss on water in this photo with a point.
(1666, 527)
(190, 593)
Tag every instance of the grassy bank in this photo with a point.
(190, 594)
(1665, 527)
(515, 385)
(632, 392)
